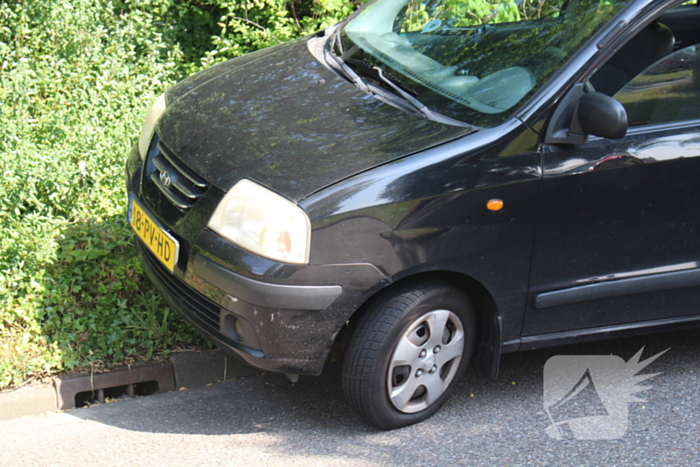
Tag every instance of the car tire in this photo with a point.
(408, 352)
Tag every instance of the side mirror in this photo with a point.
(601, 115)
(580, 114)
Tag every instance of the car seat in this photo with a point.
(651, 44)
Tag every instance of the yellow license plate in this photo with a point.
(161, 243)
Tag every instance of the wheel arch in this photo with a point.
(488, 350)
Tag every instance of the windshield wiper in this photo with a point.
(354, 77)
(379, 74)
(413, 104)
(340, 66)
(418, 105)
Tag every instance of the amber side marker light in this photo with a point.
(494, 205)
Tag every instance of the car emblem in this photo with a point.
(165, 178)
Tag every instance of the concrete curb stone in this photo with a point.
(36, 399)
(190, 369)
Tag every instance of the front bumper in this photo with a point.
(277, 317)
(274, 327)
(293, 297)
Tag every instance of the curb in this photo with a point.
(33, 400)
(189, 369)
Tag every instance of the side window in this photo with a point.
(666, 91)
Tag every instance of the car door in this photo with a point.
(618, 230)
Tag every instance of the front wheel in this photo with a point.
(408, 352)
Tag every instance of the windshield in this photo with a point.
(473, 60)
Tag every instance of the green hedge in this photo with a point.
(76, 77)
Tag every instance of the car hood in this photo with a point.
(279, 117)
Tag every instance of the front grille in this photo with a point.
(189, 299)
(179, 184)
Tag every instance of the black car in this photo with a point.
(422, 186)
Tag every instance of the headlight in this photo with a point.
(263, 222)
(149, 125)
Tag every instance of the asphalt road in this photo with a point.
(266, 420)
